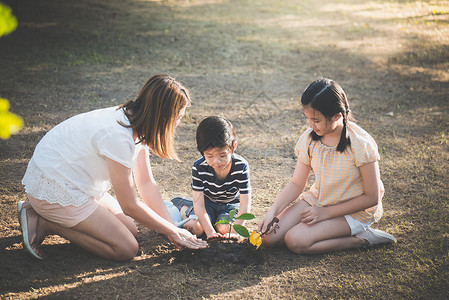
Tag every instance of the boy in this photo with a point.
(220, 180)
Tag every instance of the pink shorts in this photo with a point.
(67, 216)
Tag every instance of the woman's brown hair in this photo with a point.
(153, 114)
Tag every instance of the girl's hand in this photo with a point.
(313, 214)
(183, 238)
(267, 219)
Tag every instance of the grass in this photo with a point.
(247, 60)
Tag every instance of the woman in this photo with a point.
(75, 163)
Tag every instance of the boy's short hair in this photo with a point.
(215, 132)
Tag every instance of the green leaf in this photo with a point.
(245, 216)
(241, 230)
(223, 221)
(8, 21)
(232, 214)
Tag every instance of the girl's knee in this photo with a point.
(296, 244)
(194, 227)
(273, 239)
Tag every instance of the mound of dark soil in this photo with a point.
(222, 252)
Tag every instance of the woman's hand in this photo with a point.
(183, 238)
(314, 214)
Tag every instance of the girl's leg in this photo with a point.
(288, 218)
(324, 236)
(111, 204)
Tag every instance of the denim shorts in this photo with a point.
(215, 210)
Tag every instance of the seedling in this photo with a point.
(240, 229)
(255, 238)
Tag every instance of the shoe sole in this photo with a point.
(24, 228)
(383, 234)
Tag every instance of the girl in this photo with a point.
(69, 175)
(345, 199)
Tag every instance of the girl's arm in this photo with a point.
(123, 184)
(203, 218)
(147, 186)
(245, 207)
(371, 186)
(290, 192)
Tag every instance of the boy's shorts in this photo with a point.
(215, 211)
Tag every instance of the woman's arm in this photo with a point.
(147, 186)
(288, 194)
(123, 184)
(371, 186)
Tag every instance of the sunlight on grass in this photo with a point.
(74, 282)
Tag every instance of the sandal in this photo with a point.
(22, 212)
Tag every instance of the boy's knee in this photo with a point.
(194, 227)
(296, 244)
(223, 229)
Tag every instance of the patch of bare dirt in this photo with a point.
(249, 61)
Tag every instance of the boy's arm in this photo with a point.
(200, 211)
(245, 207)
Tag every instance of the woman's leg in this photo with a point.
(111, 204)
(321, 237)
(288, 218)
(102, 234)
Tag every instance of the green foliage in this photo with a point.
(9, 123)
(8, 21)
(240, 229)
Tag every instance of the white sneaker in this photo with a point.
(376, 236)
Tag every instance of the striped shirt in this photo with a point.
(337, 175)
(237, 182)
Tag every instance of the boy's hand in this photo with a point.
(232, 236)
(215, 235)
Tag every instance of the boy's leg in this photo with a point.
(321, 237)
(223, 212)
(194, 227)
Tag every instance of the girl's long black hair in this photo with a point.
(327, 97)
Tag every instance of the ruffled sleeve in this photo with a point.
(363, 146)
(118, 147)
(302, 147)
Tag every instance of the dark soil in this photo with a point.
(242, 254)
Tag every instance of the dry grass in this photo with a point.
(247, 60)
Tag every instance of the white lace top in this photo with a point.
(69, 166)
